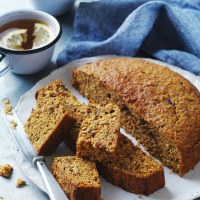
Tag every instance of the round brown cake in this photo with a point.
(159, 107)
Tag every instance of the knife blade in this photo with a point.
(24, 146)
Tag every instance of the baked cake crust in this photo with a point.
(160, 102)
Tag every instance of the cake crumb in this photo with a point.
(6, 170)
(1, 197)
(8, 109)
(6, 102)
(10, 113)
(13, 124)
(20, 183)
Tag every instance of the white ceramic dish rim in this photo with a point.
(194, 79)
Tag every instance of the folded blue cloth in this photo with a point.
(165, 30)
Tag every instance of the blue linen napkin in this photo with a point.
(166, 30)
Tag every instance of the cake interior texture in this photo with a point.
(99, 132)
(133, 171)
(47, 124)
(78, 177)
(158, 107)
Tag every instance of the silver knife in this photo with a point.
(23, 144)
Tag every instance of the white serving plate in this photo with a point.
(176, 188)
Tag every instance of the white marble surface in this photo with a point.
(14, 86)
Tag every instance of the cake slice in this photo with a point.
(158, 106)
(134, 171)
(78, 178)
(98, 136)
(75, 108)
(48, 124)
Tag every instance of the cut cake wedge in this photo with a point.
(99, 133)
(78, 178)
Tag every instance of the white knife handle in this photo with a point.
(54, 190)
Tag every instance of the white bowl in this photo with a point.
(33, 60)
